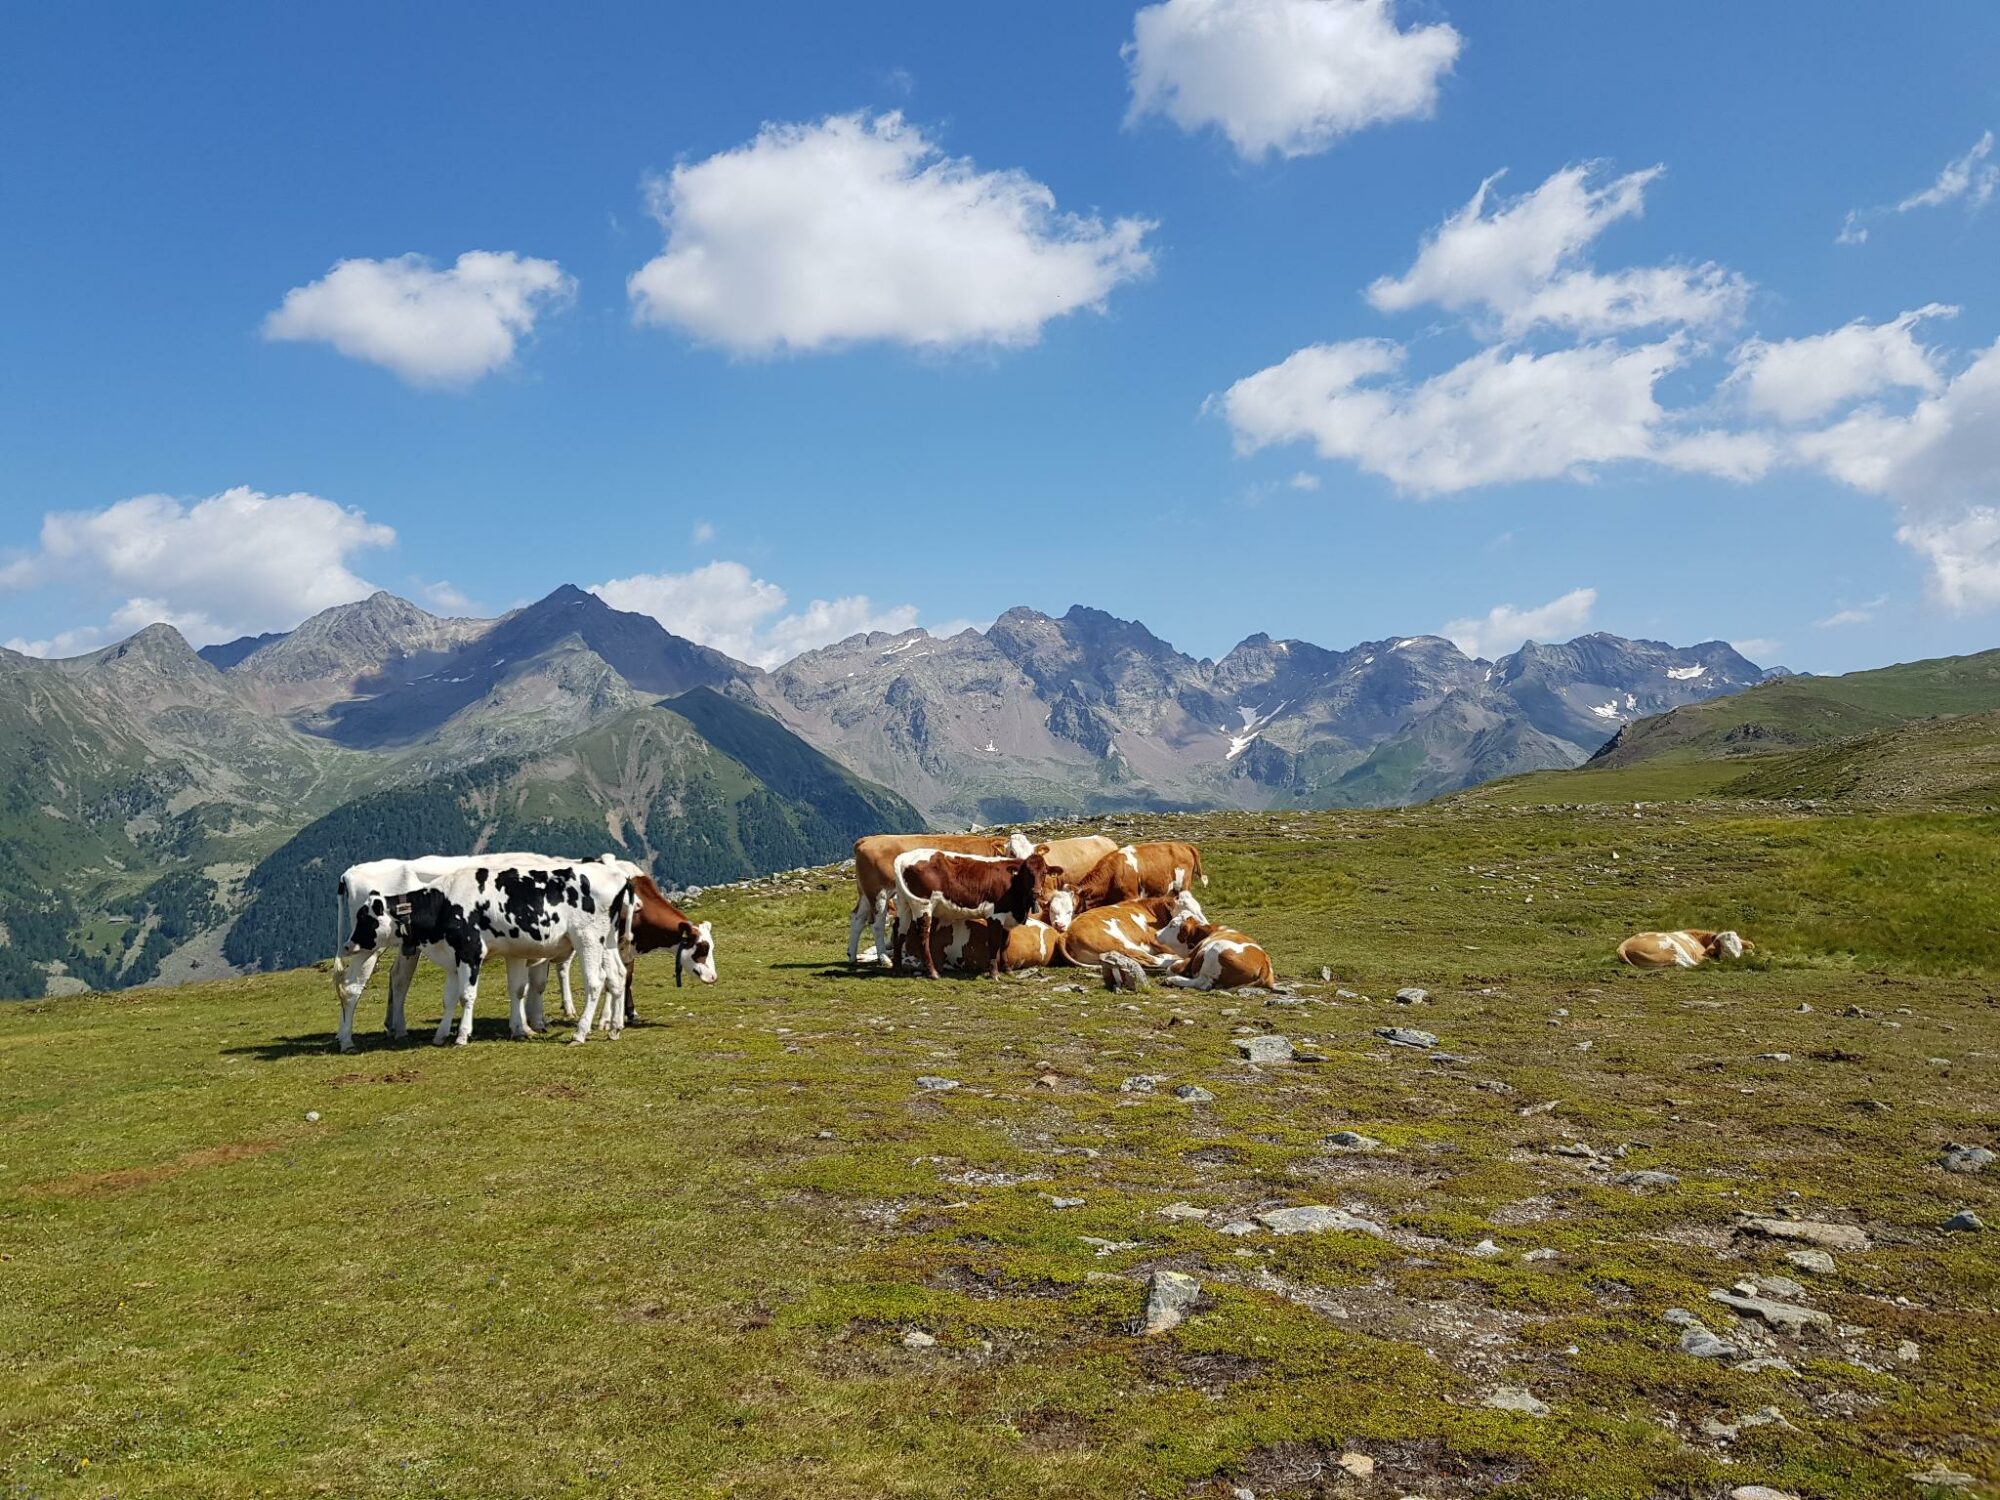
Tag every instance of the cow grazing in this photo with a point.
(1137, 872)
(935, 884)
(541, 911)
(1131, 928)
(875, 877)
(1219, 958)
(970, 945)
(1681, 950)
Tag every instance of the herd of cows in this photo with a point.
(975, 902)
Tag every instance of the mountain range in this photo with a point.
(172, 811)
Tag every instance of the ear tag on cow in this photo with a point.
(402, 908)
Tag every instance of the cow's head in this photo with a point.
(1730, 944)
(1020, 846)
(1186, 908)
(1028, 893)
(1062, 908)
(696, 948)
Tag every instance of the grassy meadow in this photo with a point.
(688, 1263)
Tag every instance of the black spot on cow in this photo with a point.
(531, 897)
(480, 875)
(429, 916)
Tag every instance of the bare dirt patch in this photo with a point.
(124, 1179)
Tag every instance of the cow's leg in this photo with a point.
(569, 1004)
(593, 992)
(617, 980)
(350, 978)
(856, 920)
(536, 1011)
(884, 954)
(396, 1021)
(927, 935)
(454, 983)
(471, 994)
(520, 976)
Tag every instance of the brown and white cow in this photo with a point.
(969, 946)
(657, 925)
(1069, 860)
(875, 876)
(934, 885)
(1138, 872)
(1219, 958)
(1682, 949)
(1133, 928)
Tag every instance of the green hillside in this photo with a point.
(743, 1253)
(653, 784)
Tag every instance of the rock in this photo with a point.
(1782, 1316)
(1779, 1286)
(1325, 974)
(1238, 1228)
(1644, 1182)
(1966, 1159)
(1143, 1083)
(1943, 1478)
(1405, 1036)
(1183, 1211)
(1106, 1247)
(1412, 995)
(1908, 1353)
(1766, 1362)
(1066, 1202)
(1772, 1057)
(1193, 1093)
(1359, 1465)
(1816, 1261)
(1123, 973)
(1048, 1081)
(1810, 1232)
(1513, 1398)
(1537, 1255)
(1316, 1218)
(1450, 1059)
(1579, 1149)
(1169, 1296)
(931, 1084)
(1349, 1140)
(1264, 1049)
(1486, 1250)
(312, 1117)
(1965, 1221)
(1700, 1342)
(1760, 1492)
(916, 1338)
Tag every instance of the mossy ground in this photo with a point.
(683, 1264)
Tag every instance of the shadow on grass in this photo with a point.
(309, 1044)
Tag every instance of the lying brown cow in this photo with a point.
(933, 885)
(875, 876)
(1133, 928)
(1681, 950)
(970, 946)
(1137, 872)
(1219, 958)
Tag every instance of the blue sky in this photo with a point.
(948, 309)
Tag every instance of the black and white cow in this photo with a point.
(523, 911)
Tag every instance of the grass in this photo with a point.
(684, 1264)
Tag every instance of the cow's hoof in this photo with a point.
(346, 1047)
(576, 1041)
(460, 1041)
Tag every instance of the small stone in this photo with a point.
(1643, 1182)
(1816, 1261)
(1048, 1081)
(1349, 995)
(1782, 1316)
(931, 1084)
(1124, 973)
(1760, 1492)
(1772, 1057)
(916, 1338)
(1325, 974)
(1193, 1093)
(1806, 1231)
(1450, 1059)
(1943, 1478)
(1238, 1228)
(1359, 1465)
(1966, 1159)
(1183, 1211)
(312, 1117)
(1702, 1343)
(1779, 1286)
(1965, 1221)
(1539, 1255)
(1514, 1398)
(1412, 995)
(1169, 1295)
(1908, 1353)
(1264, 1049)
(1349, 1140)
(1316, 1218)
(1066, 1202)
(1405, 1036)
(1105, 1247)
(1143, 1083)
(1486, 1250)
(1766, 1362)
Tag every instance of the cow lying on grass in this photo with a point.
(1681, 950)
(1143, 931)
(934, 885)
(970, 946)
(1219, 958)
(526, 912)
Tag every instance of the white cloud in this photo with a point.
(1964, 554)
(703, 533)
(1499, 417)
(447, 597)
(1290, 76)
(1524, 264)
(1854, 614)
(1800, 380)
(1852, 230)
(237, 563)
(723, 605)
(1971, 177)
(1503, 628)
(1304, 481)
(1757, 648)
(433, 328)
(859, 228)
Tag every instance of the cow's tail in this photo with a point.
(343, 918)
(1197, 865)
